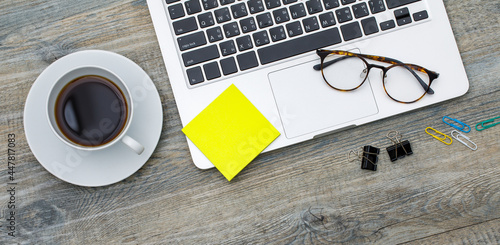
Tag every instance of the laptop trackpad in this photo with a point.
(307, 104)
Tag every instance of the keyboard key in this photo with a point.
(398, 3)
(200, 55)
(294, 29)
(420, 15)
(351, 31)
(297, 10)
(310, 24)
(214, 34)
(195, 75)
(228, 66)
(404, 21)
(227, 48)
(330, 4)
(260, 38)
(289, 1)
(277, 33)
(255, 6)
(386, 25)
(300, 45)
(211, 70)
(205, 20)
(344, 2)
(185, 25)
(192, 41)
(376, 6)
(176, 11)
(327, 19)
(264, 20)
(314, 6)
(222, 15)
(270, 4)
(369, 25)
(231, 29)
(343, 14)
(226, 2)
(239, 10)
(248, 25)
(192, 6)
(247, 60)
(360, 10)
(171, 1)
(209, 4)
(244, 43)
(399, 13)
(281, 15)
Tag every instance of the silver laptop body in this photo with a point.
(270, 62)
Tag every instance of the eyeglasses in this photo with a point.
(404, 83)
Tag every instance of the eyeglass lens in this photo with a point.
(349, 72)
(344, 74)
(402, 85)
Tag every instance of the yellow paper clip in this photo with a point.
(467, 142)
(442, 139)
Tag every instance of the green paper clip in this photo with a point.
(487, 124)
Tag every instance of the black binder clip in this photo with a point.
(369, 157)
(399, 149)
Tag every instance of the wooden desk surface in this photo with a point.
(307, 193)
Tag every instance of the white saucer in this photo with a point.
(102, 167)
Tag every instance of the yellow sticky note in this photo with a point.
(231, 132)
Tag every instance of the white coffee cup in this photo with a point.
(83, 71)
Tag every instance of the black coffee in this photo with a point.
(91, 110)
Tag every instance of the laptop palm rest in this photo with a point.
(306, 104)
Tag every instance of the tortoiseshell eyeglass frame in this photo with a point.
(394, 63)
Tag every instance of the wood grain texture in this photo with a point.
(303, 194)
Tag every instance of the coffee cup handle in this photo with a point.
(133, 144)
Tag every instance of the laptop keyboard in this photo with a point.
(221, 38)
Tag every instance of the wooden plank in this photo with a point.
(482, 233)
(307, 193)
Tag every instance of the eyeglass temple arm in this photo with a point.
(330, 62)
(381, 59)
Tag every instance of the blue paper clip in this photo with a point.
(461, 126)
(487, 124)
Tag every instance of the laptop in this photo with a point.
(267, 48)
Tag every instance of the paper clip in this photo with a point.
(399, 149)
(457, 137)
(487, 124)
(461, 126)
(442, 139)
(369, 157)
